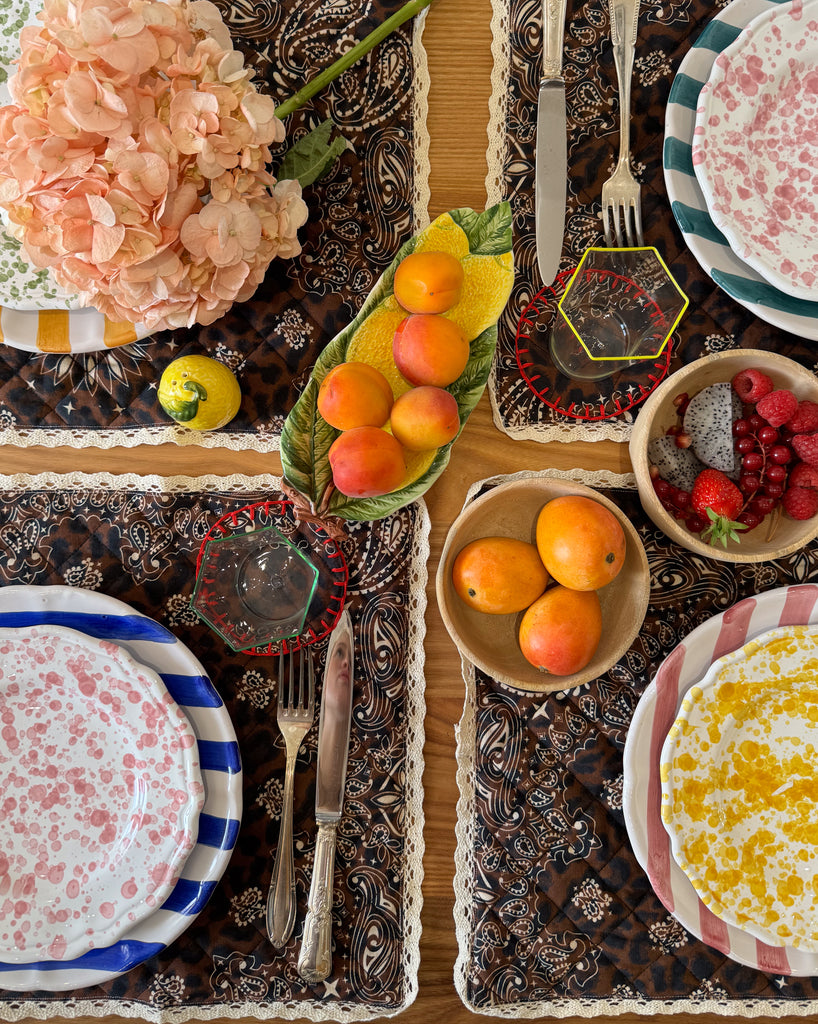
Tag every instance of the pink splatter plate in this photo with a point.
(754, 146)
(100, 793)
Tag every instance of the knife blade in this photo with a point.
(315, 958)
(551, 168)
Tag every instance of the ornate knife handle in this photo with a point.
(553, 31)
(315, 960)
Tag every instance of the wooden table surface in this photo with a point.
(457, 38)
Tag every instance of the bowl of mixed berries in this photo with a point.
(725, 453)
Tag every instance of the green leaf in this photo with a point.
(313, 155)
(489, 233)
(306, 437)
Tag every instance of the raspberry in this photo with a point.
(805, 447)
(802, 475)
(777, 407)
(750, 385)
(800, 502)
(805, 420)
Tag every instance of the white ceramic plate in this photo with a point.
(61, 330)
(152, 645)
(706, 242)
(654, 715)
(740, 787)
(754, 146)
(100, 790)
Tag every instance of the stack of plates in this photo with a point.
(739, 161)
(720, 793)
(120, 785)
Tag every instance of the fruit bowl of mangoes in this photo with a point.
(389, 395)
(543, 583)
(725, 453)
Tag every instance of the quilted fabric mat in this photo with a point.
(713, 322)
(136, 539)
(371, 201)
(555, 917)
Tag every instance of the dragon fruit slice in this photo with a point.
(708, 421)
(678, 466)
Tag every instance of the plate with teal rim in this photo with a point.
(152, 645)
(706, 242)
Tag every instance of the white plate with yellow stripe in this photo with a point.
(65, 330)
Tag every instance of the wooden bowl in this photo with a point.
(490, 641)
(778, 535)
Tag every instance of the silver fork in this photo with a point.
(296, 709)
(620, 193)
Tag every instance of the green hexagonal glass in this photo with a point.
(254, 588)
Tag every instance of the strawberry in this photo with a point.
(716, 498)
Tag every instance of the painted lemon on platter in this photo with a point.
(199, 392)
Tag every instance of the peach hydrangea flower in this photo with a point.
(133, 161)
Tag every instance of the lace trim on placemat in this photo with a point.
(21, 1008)
(466, 740)
(559, 430)
(421, 191)
(497, 136)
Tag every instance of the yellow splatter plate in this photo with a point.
(739, 771)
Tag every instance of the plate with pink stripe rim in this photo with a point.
(685, 665)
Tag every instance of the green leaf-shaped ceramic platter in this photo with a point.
(482, 242)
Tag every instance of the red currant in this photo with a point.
(749, 483)
(749, 519)
(695, 523)
(752, 462)
(767, 436)
(745, 445)
(773, 489)
(741, 428)
(777, 473)
(780, 454)
(763, 504)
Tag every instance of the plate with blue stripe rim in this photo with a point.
(709, 246)
(103, 617)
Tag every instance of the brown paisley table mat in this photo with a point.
(555, 917)
(714, 321)
(374, 197)
(136, 539)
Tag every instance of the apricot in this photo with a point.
(581, 543)
(430, 349)
(560, 632)
(428, 282)
(424, 418)
(366, 462)
(498, 575)
(355, 394)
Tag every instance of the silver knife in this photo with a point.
(315, 959)
(551, 169)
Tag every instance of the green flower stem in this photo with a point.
(409, 10)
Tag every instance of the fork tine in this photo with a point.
(606, 223)
(630, 216)
(637, 216)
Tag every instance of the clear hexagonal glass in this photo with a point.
(621, 306)
(254, 588)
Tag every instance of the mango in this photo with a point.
(425, 417)
(499, 575)
(560, 632)
(366, 462)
